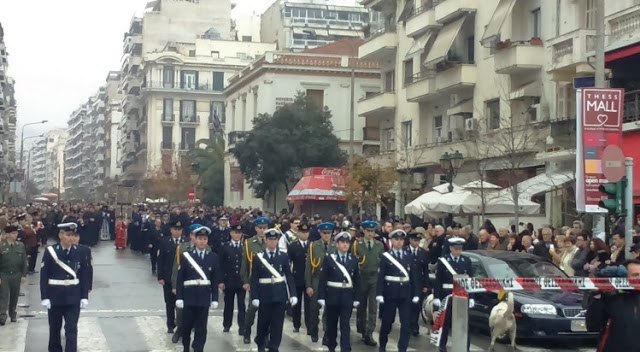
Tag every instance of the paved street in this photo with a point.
(126, 314)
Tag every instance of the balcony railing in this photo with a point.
(187, 145)
(190, 119)
(631, 106)
(204, 87)
(168, 118)
(166, 145)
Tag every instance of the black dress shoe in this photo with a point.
(176, 336)
(261, 349)
(247, 339)
(382, 349)
(296, 329)
(369, 341)
(13, 320)
(225, 330)
(416, 333)
(314, 338)
(169, 330)
(2, 323)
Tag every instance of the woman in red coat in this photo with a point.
(121, 233)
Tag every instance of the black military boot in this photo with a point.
(176, 336)
(369, 341)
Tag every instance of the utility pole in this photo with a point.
(600, 81)
(353, 109)
(628, 203)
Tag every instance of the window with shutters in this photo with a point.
(167, 137)
(407, 134)
(388, 140)
(590, 14)
(408, 71)
(493, 114)
(565, 101)
(188, 139)
(167, 110)
(188, 110)
(437, 127)
(189, 79)
(316, 96)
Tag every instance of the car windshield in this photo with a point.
(521, 267)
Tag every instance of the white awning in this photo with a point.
(465, 106)
(492, 30)
(419, 45)
(531, 89)
(443, 42)
(543, 183)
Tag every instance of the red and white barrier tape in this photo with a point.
(472, 285)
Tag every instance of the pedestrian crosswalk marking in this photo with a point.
(88, 339)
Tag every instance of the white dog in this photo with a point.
(502, 321)
(427, 313)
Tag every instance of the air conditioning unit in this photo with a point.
(454, 99)
(471, 125)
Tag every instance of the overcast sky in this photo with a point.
(61, 51)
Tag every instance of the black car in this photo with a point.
(539, 314)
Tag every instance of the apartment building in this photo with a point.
(8, 117)
(297, 25)
(75, 159)
(46, 162)
(273, 80)
(113, 117)
(455, 73)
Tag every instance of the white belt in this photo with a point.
(447, 286)
(198, 282)
(339, 284)
(272, 280)
(396, 278)
(71, 282)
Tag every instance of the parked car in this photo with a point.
(539, 314)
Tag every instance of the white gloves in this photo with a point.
(472, 303)
(437, 303)
(214, 305)
(256, 303)
(84, 303)
(380, 299)
(180, 304)
(415, 299)
(321, 302)
(46, 303)
(356, 304)
(293, 301)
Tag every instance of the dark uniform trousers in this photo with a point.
(65, 299)
(397, 297)
(273, 298)
(230, 262)
(298, 256)
(197, 298)
(339, 300)
(166, 258)
(461, 266)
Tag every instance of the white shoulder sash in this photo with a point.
(64, 266)
(396, 263)
(342, 269)
(195, 265)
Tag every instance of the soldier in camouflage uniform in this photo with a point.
(318, 250)
(252, 246)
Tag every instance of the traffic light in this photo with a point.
(616, 197)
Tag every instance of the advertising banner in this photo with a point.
(600, 116)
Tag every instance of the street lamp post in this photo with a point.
(450, 164)
(22, 138)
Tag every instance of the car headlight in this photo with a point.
(545, 309)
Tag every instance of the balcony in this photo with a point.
(141, 149)
(631, 114)
(100, 131)
(460, 76)
(422, 20)
(234, 138)
(383, 160)
(371, 135)
(569, 53)
(131, 64)
(446, 10)
(168, 120)
(430, 153)
(177, 86)
(380, 45)
(131, 85)
(378, 104)
(421, 87)
(519, 57)
(190, 120)
(131, 42)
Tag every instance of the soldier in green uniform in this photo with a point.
(368, 252)
(13, 272)
(183, 247)
(318, 250)
(252, 246)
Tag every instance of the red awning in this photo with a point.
(318, 187)
(622, 53)
(631, 148)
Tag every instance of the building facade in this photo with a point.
(75, 159)
(457, 74)
(113, 117)
(297, 25)
(8, 119)
(46, 163)
(273, 80)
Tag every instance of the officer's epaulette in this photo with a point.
(255, 240)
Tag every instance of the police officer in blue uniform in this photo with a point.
(231, 285)
(64, 287)
(337, 292)
(421, 265)
(272, 285)
(397, 290)
(166, 258)
(297, 252)
(460, 264)
(197, 289)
